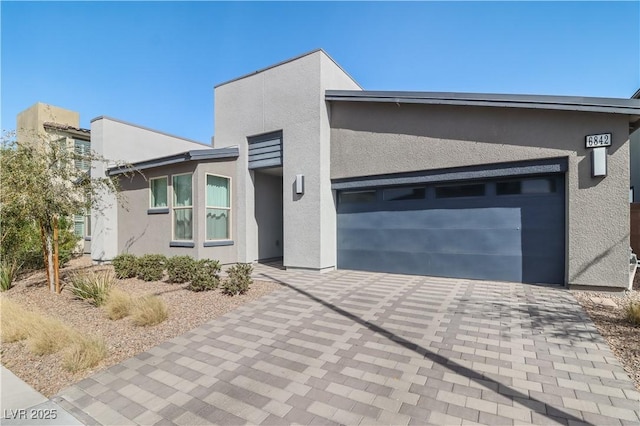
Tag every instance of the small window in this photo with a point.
(404, 193)
(218, 198)
(158, 192)
(357, 197)
(527, 186)
(455, 191)
(182, 207)
(82, 154)
(78, 225)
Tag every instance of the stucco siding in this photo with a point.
(120, 142)
(373, 139)
(634, 163)
(289, 97)
(140, 232)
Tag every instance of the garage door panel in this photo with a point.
(513, 237)
(488, 218)
(454, 241)
(475, 266)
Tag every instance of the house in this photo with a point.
(309, 167)
(43, 123)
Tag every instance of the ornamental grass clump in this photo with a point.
(83, 353)
(205, 275)
(633, 312)
(181, 269)
(125, 266)
(92, 286)
(151, 267)
(238, 279)
(118, 305)
(149, 310)
(8, 272)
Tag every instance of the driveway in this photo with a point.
(352, 348)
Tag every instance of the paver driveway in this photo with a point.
(365, 348)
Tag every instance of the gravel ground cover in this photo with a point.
(607, 311)
(187, 310)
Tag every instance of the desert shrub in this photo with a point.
(632, 311)
(125, 266)
(180, 269)
(149, 310)
(49, 336)
(9, 269)
(17, 322)
(205, 276)
(92, 286)
(151, 267)
(119, 304)
(83, 353)
(238, 279)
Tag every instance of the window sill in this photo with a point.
(218, 243)
(158, 211)
(87, 238)
(188, 244)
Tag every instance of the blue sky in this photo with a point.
(156, 63)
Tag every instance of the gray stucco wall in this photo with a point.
(120, 142)
(289, 97)
(142, 233)
(372, 139)
(634, 163)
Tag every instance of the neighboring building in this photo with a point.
(309, 167)
(43, 124)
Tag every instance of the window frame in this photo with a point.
(166, 178)
(207, 206)
(174, 208)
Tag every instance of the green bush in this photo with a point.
(93, 287)
(205, 276)
(238, 279)
(151, 267)
(633, 312)
(180, 269)
(22, 242)
(8, 272)
(125, 266)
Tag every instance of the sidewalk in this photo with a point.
(20, 404)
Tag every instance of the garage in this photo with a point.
(510, 228)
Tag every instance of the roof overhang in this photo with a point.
(194, 155)
(77, 132)
(629, 107)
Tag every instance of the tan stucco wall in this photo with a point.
(29, 123)
(373, 139)
(142, 233)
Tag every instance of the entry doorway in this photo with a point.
(268, 212)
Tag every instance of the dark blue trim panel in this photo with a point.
(158, 211)
(187, 244)
(218, 243)
(527, 168)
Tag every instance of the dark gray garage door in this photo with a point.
(506, 229)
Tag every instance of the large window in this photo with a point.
(158, 192)
(182, 207)
(218, 199)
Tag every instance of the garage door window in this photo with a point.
(357, 197)
(528, 186)
(404, 193)
(456, 191)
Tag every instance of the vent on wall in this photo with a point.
(265, 150)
